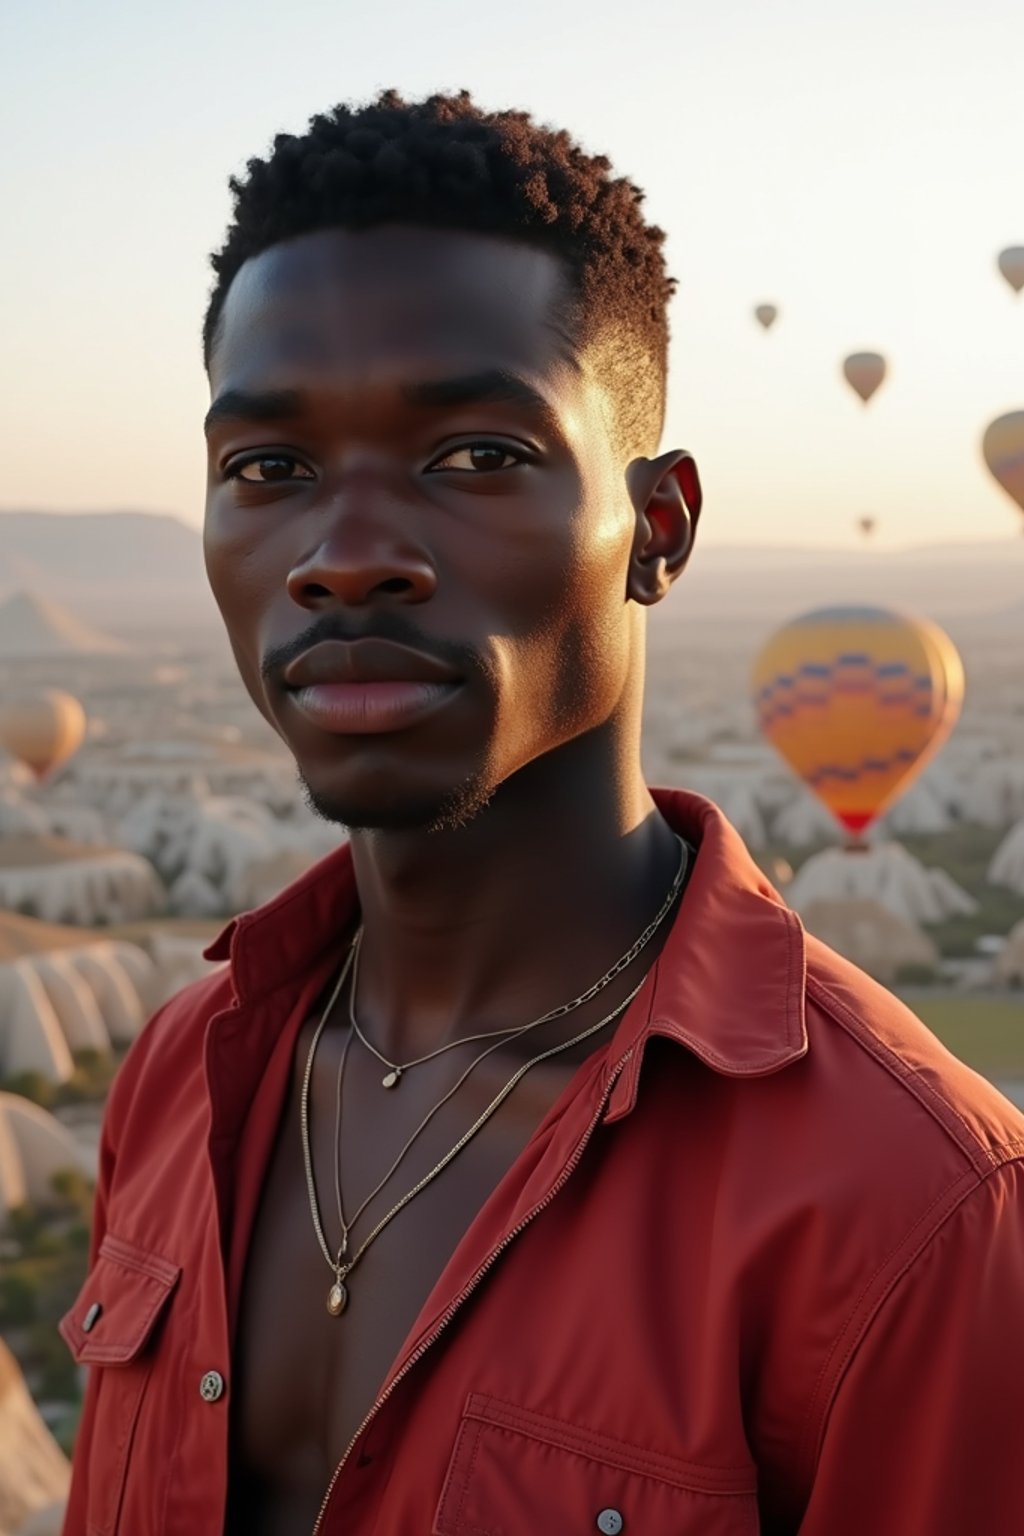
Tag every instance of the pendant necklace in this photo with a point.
(339, 1262)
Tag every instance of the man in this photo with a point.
(526, 1168)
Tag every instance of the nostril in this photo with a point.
(396, 584)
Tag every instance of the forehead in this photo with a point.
(396, 297)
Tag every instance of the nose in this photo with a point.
(362, 559)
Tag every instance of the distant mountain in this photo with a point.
(128, 571)
(31, 625)
(946, 582)
(125, 571)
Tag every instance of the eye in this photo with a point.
(269, 469)
(479, 458)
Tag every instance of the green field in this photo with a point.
(986, 1032)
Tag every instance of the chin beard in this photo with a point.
(446, 813)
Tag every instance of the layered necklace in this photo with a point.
(342, 1262)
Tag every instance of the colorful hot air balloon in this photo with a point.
(1003, 448)
(864, 371)
(766, 315)
(1011, 265)
(856, 700)
(43, 730)
(866, 526)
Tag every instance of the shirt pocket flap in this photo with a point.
(515, 1472)
(119, 1305)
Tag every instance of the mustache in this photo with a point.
(385, 626)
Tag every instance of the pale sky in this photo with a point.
(859, 165)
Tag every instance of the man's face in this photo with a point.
(417, 527)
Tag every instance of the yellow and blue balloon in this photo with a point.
(857, 700)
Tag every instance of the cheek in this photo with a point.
(566, 668)
(238, 570)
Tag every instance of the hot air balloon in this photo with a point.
(766, 315)
(866, 526)
(864, 371)
(1003, 447)
(857, 700)
(42, 730)
(1011, 265)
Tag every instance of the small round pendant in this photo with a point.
(390, 1079)
(337, 1299)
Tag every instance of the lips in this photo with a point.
(367, 687)
(365, 661)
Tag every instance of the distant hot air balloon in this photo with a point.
(1003, 447)
(42, 730)
(856, 700)
(766, 315)
(864, 371)
(1011, 265)
(866, 525)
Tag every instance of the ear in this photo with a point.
(667, 496)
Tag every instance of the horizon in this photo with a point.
(706, 538)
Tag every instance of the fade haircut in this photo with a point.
(445, 163)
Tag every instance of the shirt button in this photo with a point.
(212, 1387)
(610, 1522)
(91, 1318)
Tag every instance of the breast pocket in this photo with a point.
(514, 1472)
(110, 1328)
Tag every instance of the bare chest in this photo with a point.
(305, 1380)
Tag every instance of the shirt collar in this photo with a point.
(728, 985)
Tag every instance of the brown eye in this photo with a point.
(479, 458)
(269, 469)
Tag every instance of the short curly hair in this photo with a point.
(445, 163)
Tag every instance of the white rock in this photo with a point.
(1007, 865)
(886, 874)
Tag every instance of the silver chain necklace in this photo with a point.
(339, 1262)
(395, 1070)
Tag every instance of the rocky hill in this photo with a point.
(34, 1472)
(123, 571)
(31, 625)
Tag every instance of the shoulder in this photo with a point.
(900, 1072)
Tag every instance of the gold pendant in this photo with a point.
(390, 1079)
(337, 1299)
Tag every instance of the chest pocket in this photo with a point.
(111, 1326)
(518, 1473)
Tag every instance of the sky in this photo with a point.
(858, 165)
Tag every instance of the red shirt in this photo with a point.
(788, 1221)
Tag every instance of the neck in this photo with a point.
(519, 911)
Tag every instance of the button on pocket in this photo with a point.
(110, 1327)
(517, 1472)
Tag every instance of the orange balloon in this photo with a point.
(857, 700)
(43, 731)
(864, 371)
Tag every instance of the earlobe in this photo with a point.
(667, 496)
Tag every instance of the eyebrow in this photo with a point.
(490, 386)
(240, 405)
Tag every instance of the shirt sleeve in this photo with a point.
(925, 1436)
